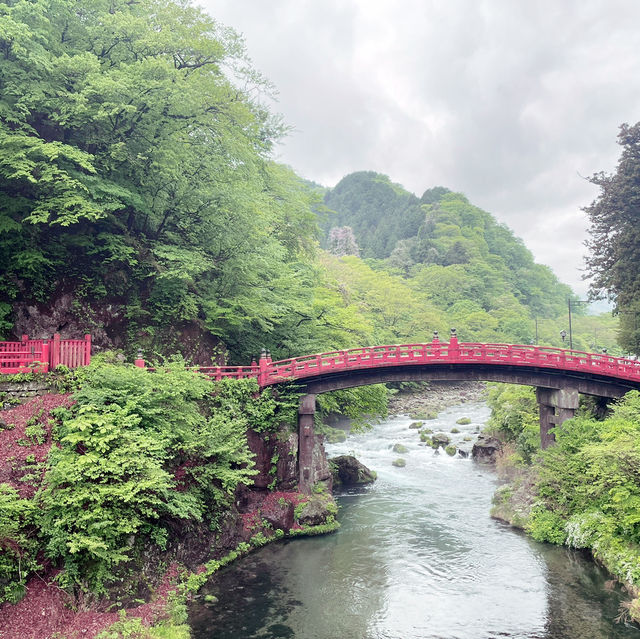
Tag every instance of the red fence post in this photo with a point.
(25, 338)
(54, 351)
(87, 349)
(45, 357)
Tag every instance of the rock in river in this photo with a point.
(401, 449)
(440, 439)
(486, 449)
(348, 471)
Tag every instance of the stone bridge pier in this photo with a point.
(306, 442)
(556, 405)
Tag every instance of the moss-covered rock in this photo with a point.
(486, 449)
(450, 450)
(424, 415)
(401, 449)
(415, 424)
(441, 439)
(399, 463)
(463, 421)
(319, 509)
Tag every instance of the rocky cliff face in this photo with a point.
(111, 328)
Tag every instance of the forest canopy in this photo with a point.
(140, 202)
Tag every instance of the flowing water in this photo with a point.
(417, 557)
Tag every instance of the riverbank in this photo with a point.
(582, 492)
(428, 402)
(517, 503)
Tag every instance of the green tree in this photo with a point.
(135, 171)
(614, 244)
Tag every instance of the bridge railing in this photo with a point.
(23, 356)
(234, 372)
(452, 352)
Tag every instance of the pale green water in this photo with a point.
(417, 557)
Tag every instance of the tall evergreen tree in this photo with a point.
(614, 247)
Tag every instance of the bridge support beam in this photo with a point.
(555, 406)
(306, 442)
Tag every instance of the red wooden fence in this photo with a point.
(42, 355)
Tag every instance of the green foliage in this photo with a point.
(514, 415)
(544, 525)
(18, 543)
(113, 479)
(614, 245)
(361, 404)
(135, 166)
(35, 430)
(173, 626)
(440, 262)
(585, 490)
(265, 411)
(379, 211)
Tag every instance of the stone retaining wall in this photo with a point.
(17, 392)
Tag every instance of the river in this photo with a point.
(417, 557)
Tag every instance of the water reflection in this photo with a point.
(417, 557)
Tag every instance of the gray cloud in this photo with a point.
(509, 102)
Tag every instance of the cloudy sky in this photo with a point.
(511, 102)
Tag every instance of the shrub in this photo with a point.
(18, 544)
(136, 450)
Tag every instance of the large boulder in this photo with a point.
(486, 449)
(348, 471)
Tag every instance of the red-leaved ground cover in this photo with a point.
(13, 455)
(45, 611)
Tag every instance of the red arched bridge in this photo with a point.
(559, 376)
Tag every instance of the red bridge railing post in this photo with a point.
(435, 344)
(87, 349)
(263, 366)
(454, 349)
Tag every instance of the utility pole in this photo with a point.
(570, 329)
